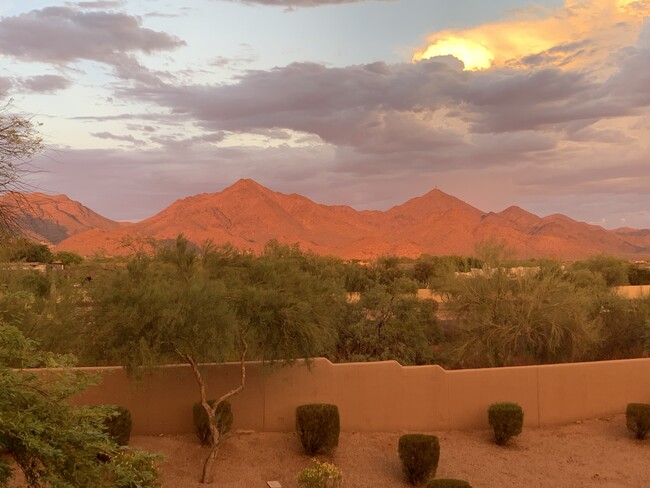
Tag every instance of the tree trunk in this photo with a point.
(207, 475)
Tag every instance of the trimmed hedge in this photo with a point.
(318, 426)
(506, 419)
(118, 426)
(419, 454)
(222, 417)
(637, 417)
(448, 483)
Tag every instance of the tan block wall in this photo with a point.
(633, 291)
(383, 396)
(471, 391)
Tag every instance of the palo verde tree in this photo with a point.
(53, 442)
(214, 305)
(539, 316)
(19, 142)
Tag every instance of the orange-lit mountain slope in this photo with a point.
(53, 218)
(248, 215)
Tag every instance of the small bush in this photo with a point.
(318, 426)
(118, 426)
(448, 483)
(419, 454)
(506, 420)
(134, 469)
(637, 416)
(320, 475)
(222, 416)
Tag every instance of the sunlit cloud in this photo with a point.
(579, 33)
(472, 54)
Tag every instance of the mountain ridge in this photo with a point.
(248, 215)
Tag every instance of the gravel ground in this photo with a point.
(594, 453)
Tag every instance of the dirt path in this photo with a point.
(595, 453)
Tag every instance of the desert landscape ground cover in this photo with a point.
(592, 453)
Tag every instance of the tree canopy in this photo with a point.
(54, 443)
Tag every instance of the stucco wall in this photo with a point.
(633, 291)
(382, 396)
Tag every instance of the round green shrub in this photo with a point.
(506, 419)
(318, 426)
(637, 416)
(448, 483)
(118, 426)
(419, 454)
(222, 416)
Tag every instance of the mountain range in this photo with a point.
(248, 215)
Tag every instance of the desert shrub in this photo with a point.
(506, 419)
(67, 257)
(133, 470)
(637, 416)
(320, 475)
(448, 483)
(318, 426)
(222, 416)
(118, 426)
(419, 454)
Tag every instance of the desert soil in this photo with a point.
(595, 453)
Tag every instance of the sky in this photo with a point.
(541, 104)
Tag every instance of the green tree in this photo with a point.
(53, 442)
(388, 323)
(639, 274)
(67, 257)
(536, 317)
(626, 328)
(613, 270)
(214, 306)
(31, 252)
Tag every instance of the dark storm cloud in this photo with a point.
(355, 106)
(62, 35)
(418, 113)
(511, 101)
(382, 107)
(45, 83)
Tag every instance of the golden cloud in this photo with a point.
(580, 32)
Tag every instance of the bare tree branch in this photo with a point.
(19, 142)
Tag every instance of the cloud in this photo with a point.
(127, 138)
(348, 106)
(300, 3)
(392, 108)
(543, 130)
(99, 4)
(579, 33)
(45, 83)
(62, 35)
(564, 111)
(5, 86)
